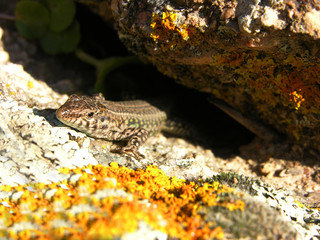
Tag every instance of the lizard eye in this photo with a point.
(90, 114)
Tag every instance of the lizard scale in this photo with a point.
(131, 121)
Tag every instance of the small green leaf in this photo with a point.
(62, 14)
(32, 19)
(71, 37)
(51, 43)
(62, 42)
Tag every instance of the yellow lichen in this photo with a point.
(297, 98)
(172, 205)
(169, 33)
(30, 84)
(274, 88)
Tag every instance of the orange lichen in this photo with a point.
(297, 98)
(275, 88)
(294, 81)
(170, 33)
(108, 201)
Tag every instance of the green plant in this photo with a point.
(52, 22)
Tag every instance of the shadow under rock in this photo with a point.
(49, 115)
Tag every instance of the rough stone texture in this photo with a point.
(31, 146)
(34, 145)
(261, 57)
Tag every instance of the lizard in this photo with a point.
(132, 121)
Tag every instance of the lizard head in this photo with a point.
(82, 112)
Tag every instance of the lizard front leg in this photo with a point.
(136, 137)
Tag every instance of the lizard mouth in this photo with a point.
(67, 117)
(61, 113)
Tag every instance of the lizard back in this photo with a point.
(100, 118)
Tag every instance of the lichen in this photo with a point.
(108, 201)
(290, 85)
(170, 32)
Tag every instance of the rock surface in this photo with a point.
(34, 147)
(260, 57)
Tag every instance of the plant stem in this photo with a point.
(7, 17)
